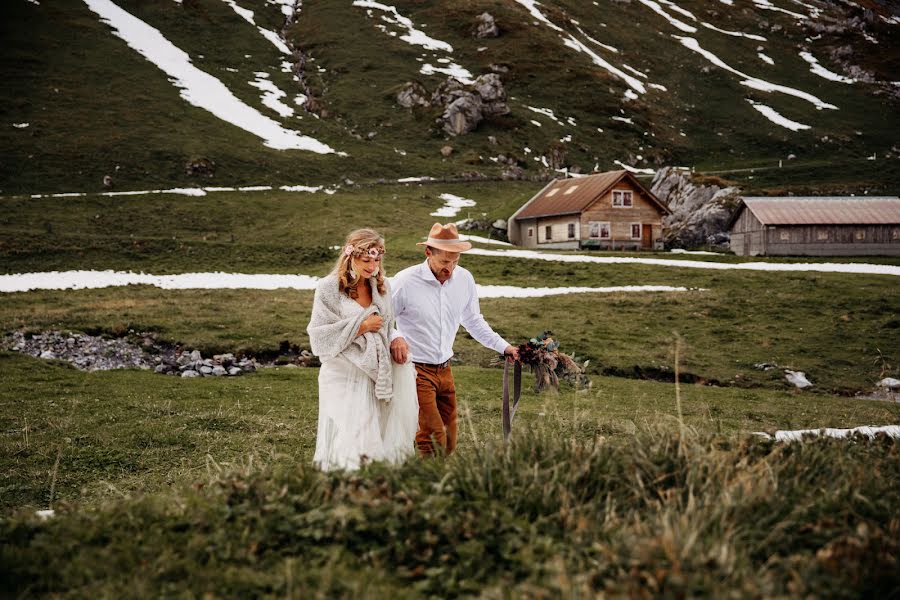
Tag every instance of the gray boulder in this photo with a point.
(485, 26)
(412, 94)
(463, 114)
(448, 91)
(493, 94)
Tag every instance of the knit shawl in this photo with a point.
(332, 334)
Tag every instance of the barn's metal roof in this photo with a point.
(571, 196)
(825, 210)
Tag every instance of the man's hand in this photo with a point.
(511, 353)
(400, 350)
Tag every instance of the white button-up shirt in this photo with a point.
(429, 314)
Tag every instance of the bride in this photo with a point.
(368, 408)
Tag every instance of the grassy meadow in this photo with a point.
(164, 487)
(171, 487)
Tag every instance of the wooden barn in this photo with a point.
(611, 210)
(818, 226)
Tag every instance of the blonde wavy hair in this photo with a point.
(360, 242)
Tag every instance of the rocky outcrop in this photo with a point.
(462, 106)
(192, 364)
(496, 229)
(84, 352)
(700, 212)
(492, 93)
(413, 94)
(142, 351)
(447, 92)
(463, 114)
(486, 26)
(467, 107)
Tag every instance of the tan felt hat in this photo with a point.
(445, 237)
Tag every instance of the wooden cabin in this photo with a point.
(609, 211)
(816, 226)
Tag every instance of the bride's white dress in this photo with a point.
(354, 426)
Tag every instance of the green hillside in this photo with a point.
(95, 107)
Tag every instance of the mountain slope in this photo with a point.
(723, 85)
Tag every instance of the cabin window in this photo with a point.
(548, 232)
(571, 231)
(571, 189)
(785, 235)
(822, 234)
(860, 234)
(598, 230)
(635, 231)
(895, 233)
(552, 192)
(531, 232)
(623, 198)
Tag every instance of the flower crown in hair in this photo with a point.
(373, 252)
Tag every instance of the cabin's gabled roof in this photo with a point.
(572, 196)
(822, 210)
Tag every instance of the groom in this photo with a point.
(431, 300)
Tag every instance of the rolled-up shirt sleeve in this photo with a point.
(477, 326)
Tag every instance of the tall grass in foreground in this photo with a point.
(557, 511)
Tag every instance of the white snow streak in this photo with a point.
(412, 36)
(776, 117)
(735, 33)
(272, 95)
(821, 71)
(84, 280)
(198, 87)
(20, 125)
(678, 9)
(452, 205)
(765, 4)
(571, 42)
(797, 435)
(453, 69)
(547, 112)
(856, 268)
(675, 22)
(765, 58)
(749, 81)
(247, 15)
(631, 169)
(483, 240)
(192, 191)
(508, 291)
(597, 43)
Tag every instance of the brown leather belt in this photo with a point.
(443, 365)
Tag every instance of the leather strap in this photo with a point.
(509, 412)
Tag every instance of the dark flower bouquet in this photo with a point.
(541, 354)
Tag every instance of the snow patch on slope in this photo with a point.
(198, 87)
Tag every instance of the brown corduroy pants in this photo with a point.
(437, 409)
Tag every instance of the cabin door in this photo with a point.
(646, 236)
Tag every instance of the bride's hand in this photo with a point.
(371, 324)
